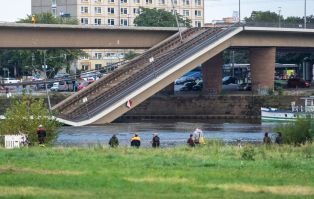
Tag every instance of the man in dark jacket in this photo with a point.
(190, 141)
(114, 142)
(155, 141)
(41, 132)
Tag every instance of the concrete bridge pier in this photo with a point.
(168, 90)
(263, 61)
(212, 74)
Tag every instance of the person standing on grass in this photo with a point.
(136, 141)
(190, 141)
(41, 132)
(266, 139)
(114, 142)
(279, 139)
(155, 141)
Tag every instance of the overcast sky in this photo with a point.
(12, 10)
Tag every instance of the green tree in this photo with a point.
(48, 18)
(159, 18)
(25, 115)
(130, 55)
(263, 17)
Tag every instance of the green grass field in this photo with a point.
(211, 171)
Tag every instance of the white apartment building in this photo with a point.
(117, 12)
(114, 13)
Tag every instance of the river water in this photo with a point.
(171, 134)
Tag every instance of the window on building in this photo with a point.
(124, 22)
(97, 10)
(84, 9)
(98, 66)
(136, 1)
(110, 10)
(198, 13)
(98, 55)
(175, 2)
(111, 22)
(149, 1)
(84, 1)
(186, 13)
(198, 24)
(136, 10)
(124, 1)
(84, 20)
(54, 11)
(110, 1)
(186, 2)
(97, 21)
(97, 1)
(53, 3)
(161, 2)
(198, 2)
(85, 67)
(124, 11)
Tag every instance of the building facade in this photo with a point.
(117, 12)
(114, 13)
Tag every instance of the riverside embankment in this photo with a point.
(193, 107)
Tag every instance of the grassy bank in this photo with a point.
(212, 171)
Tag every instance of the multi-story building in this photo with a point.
(114, 13)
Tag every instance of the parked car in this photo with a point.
(298, 83)
(188, 86)
(59, 86)
(245, 87)
(84, 84)
(229, 80)
(184, 79)
(10, 80)
(198, 86)
(61, 75)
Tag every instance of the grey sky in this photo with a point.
(12, 10)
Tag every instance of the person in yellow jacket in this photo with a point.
(136, 141)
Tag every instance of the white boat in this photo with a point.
(274, 114)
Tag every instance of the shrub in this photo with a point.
(25, 115)
(248, 153)
(298, 132)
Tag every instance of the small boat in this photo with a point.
(275, 115)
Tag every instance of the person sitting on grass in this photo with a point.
(114, 142)
(279, 139)
(266, 139)
(136, 141)
(190, 141)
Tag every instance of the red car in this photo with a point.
(298, 83)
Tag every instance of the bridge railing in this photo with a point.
(134, 64)
(277, 25)
(156, 69)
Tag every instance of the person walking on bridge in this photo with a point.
(136, 141)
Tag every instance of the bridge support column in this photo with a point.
(263, 61)
(212, 74)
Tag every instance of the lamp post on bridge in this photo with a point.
(239, 11)
(279, 17)
(304, 13)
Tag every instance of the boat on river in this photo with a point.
(274, 114)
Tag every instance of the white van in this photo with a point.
(59, 86)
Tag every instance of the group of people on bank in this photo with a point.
(278, 140)
(196, 138)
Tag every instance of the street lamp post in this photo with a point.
(304, 13)
(239, 11)
(46, 87)
(279, 16)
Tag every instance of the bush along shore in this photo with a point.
(214, 170)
